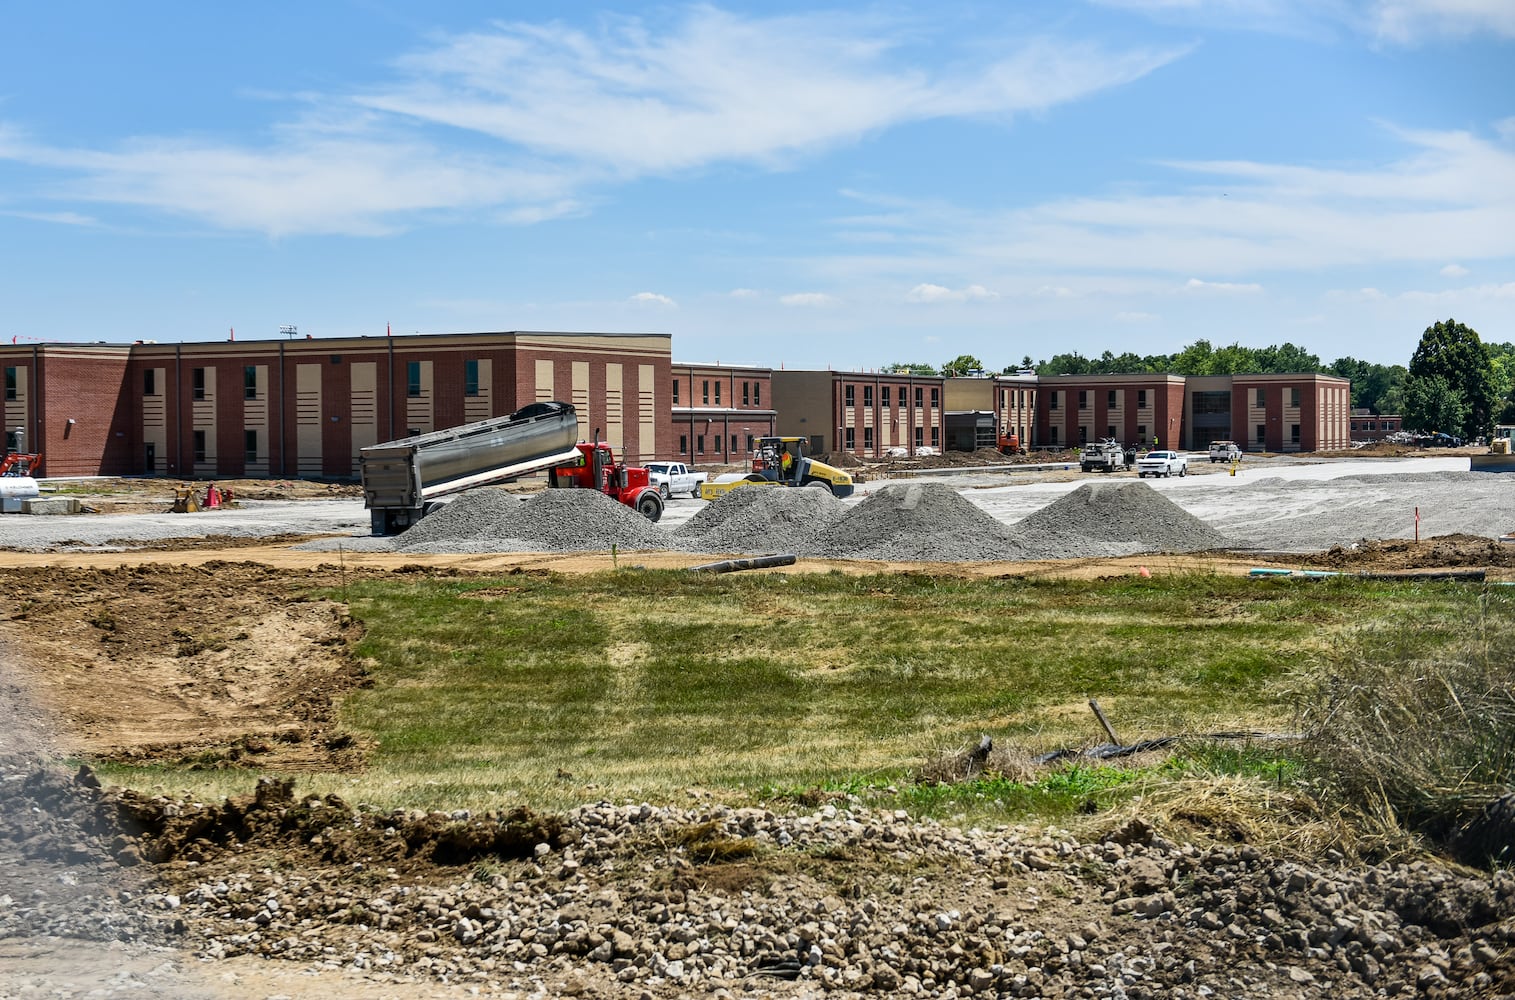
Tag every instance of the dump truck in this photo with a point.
(405, 479)
(781, 461)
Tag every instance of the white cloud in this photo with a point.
(1136, 317)
(742, 293)
(1410, 21)
(653, 299)
(1228, 287)
(1454, 271)
(58, 218)
(929, 293)
(808, 299)
(642, 95)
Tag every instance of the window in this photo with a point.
(1262, 398)
(1110, 431)
(867, 438)
(936, 437)
(757, 394)
(1052, 436)
(1083, 399)
(11, 444)
(885, 392)
(749, 442)
(249, 382)
(470, 377)
(1052, 398)
(1083, 434)
(733, 444)
(718, 393)
(850, 395)
(250, 445)
(1141, 433)
(1141, 399)
(199, 446)
(1111, 403)
(699, 444)
(197, 383)
(149, 382)
(867, 395)
(1294, 397)
(918, 397)
(746, 399)
(1262, 433)
(11, 380)
(1294, 433)
(920, 435)
(1372, 425)
(706, 385)
(935, 397)
(718, 439)
(412, 378)
(851, 437)
(676, 396)
(683, 443)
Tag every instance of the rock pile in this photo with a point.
(554, 520)
(1113, 519)
(760, 519)
(716, 900)
(916, 522)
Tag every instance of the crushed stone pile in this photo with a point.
(925, 522)
(559, 520)
(760, 519)
(1113, 519)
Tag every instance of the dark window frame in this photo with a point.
(470, 376)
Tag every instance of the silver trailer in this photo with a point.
(403, 479)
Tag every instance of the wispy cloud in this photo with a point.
(518, 121)
(1454, 271)
(1397, 22)
(653, 299)
(1222, 287)
(1412, 21)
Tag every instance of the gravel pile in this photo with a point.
(1113, 519)
(629, 900)
(555, 520)
(916, 522)
(760, 520)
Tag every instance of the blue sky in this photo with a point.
(843, 186)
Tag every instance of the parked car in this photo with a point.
(1161, 463)
(1440, 440)
(675, 477)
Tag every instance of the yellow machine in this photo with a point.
(781, 461)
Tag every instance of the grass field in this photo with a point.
(552, 690)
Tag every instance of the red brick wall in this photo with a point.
(89, 390)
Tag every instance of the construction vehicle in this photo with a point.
(781, 461)
(1010, 442)
(597, 469)
(1105, 455)
(404, 480)
(23, 464)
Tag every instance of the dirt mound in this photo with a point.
(757, 519)
(1443, 551)
(224, 664)
(915, 522)
(1113, 519)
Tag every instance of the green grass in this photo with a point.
(550, 690)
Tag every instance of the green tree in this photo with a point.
(1375, 387)
(1502, 358)
(1453, 351)
(909, 368)
(963, 364)
(1432, 404)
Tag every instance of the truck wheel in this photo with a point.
(650, 505)
(822, 484)
(664, 491)
(1183, 470)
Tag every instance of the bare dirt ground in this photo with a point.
(207, 653)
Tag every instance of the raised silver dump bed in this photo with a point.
(401, 478)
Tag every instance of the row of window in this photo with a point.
(1373, 425)
(849, 438)
(250, 380)
(849, 394)
(716, 440)
(752, 392)
(249, 446)
(1110, 399)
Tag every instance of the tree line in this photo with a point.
(1454, 382)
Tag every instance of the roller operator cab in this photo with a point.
(783, 460)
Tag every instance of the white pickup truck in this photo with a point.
(1224, 451)
(1161, 463)
(674, 477)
